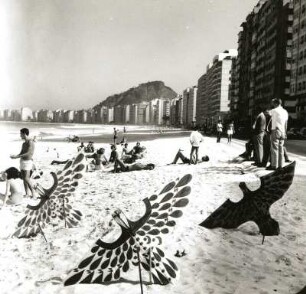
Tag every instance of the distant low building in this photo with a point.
(26, 114)
(45, 115)
(68, 116)
(58, 116)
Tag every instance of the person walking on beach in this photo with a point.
(115, 135)
(279, 120)
(219, 130)
(230, 132)
(195, 140)
(26, 161)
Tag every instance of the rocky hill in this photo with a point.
(144, 92)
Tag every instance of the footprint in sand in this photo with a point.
(291, 237)
(284, 259)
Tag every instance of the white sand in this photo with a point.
(217, 261)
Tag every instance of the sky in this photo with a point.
(73, 54)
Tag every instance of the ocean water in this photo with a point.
(10, 130)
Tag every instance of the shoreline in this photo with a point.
(132, 136)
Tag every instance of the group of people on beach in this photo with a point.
(266, 144)
(128, 156)
(268, 138)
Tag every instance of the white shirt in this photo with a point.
(219, 127)
(196, 138)
(279, 118)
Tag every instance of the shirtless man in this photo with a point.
(26, 161)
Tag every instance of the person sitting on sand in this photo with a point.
(138, 151)
(180, 155)
(81, 147)
(13, 191)
(126, 152)
(90, 147)
(99, 159)
(137, 166)
(114, 157)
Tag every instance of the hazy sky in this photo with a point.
(72, 54)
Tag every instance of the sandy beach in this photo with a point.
(218, 261)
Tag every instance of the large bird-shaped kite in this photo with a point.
(54, 202)
(138, 241)
(255, 205)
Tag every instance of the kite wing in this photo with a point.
(107, 261)
(165, 208)
(255, 205)
(54, 201)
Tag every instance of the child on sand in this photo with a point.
(13, 193)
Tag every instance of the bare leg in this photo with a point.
(197, 155)
(191, 153)
(27, 181)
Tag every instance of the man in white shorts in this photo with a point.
(26, 161)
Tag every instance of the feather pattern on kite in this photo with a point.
(54, 202)
(139, 241)
(255, 205)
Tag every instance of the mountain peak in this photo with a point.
(144, 92)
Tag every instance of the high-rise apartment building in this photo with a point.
(298, 69)
(213, 89)
(189, 106)
(264, 59)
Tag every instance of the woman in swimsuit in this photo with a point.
(13, 193)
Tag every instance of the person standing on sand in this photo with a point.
(230, 132)
(26, 161)
(259, 128)
(115, 135)
(279, 120)
(195, 140)
(219, 130)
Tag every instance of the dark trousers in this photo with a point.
(219, 137)
(180, 155)
(119, 163)
(258, 140)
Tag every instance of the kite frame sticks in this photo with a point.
(42, 232)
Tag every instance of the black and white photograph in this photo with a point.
(153, 146)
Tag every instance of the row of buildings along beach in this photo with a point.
(269, 62)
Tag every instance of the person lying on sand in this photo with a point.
(13, 191)
(180, 155)
(136, 166)
(99, 159)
